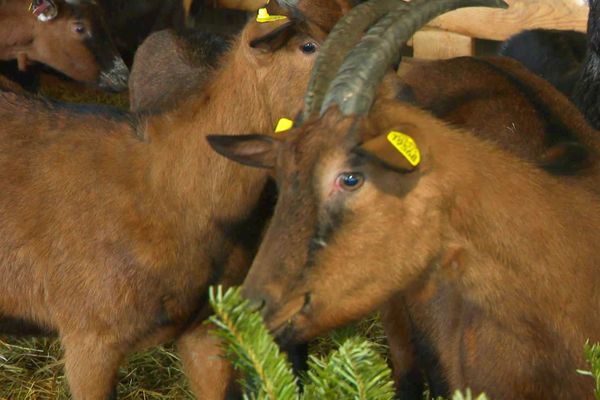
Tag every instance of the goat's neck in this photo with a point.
(16, 28)
(184, 164)
(528, 238)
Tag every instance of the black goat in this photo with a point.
(554, 55)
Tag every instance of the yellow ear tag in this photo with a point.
(264, 16)
(406, 146)
(283, 125)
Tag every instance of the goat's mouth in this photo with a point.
(286, 325)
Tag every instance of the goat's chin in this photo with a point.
(293, 331)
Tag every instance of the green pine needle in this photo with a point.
(592, 354)
(458, 395)
(354, 371)
(267, 372)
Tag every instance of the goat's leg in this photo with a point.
(406, 372)
(91, 366)
(210, 375)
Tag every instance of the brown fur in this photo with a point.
(91, 57)
(169, 66)
(510, 106)
(114, 224)
(494, 257)
(515, 110)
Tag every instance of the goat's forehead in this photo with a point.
(313, 149)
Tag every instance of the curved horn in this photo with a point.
(356, 83)
(343, 37)
(289, 4)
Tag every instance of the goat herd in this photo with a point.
(461, 200)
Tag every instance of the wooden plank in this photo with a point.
(439, 45)
(486, 23)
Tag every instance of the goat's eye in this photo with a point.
(308, 48)
(79, 28)
(350, 180)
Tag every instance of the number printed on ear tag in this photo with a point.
(283, 125)
(406, 146)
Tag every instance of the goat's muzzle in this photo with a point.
(115, 78)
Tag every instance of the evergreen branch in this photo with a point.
(592, 354)
(248, 345)
(458, 395)
(354, 371)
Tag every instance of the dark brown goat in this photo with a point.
(114, 224)
(445, 240)
(68, 35)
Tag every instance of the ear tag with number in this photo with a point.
(283, 125)
(406, 146)
(264, 16)
(44, 10)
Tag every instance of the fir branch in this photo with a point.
(592, 354)
(458, 395)
(248, 345)
(354, 371)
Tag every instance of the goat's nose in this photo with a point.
(257, 300)
(257, 304)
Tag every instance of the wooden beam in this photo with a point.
(431, 44)
(486, 23)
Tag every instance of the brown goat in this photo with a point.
(494, 258)
(68, 35)
(426, 237)
(114, 224)
(498, 100)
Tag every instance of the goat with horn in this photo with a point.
(382, 204)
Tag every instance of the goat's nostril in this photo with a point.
(307, 302)
(256, 304)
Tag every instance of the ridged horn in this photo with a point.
(342, 38)
(357, 80)
(289, 4)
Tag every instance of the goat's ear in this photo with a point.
(565, 158)
(258, 151)
(394, 150)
